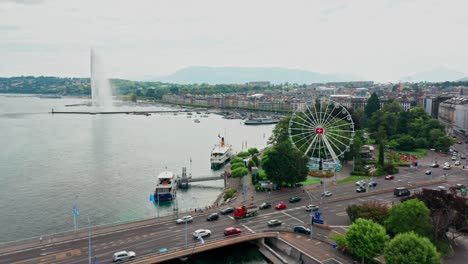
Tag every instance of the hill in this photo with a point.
(238, 75)
(440, 74)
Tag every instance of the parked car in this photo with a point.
(454, 158)
(212, 217)
(264, 206)
(360, 189)
(435, 165)
(201, 233)
(327, 193)
(459, 186)
(274, 222)
(311, 207)
(123, 255)
(294, 199)
(227, 210)
(459, 142)
(281, 206)
(184, 219)
(389, 177)
(301, 229)
(372, 184)
(401, 191)
(457, 163)
(428, 172)
(446, 168)
(361, 182)
(462, 156)
(231, 231)
(446, 164)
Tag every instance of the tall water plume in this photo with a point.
(101, 91)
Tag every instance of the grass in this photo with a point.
(353, 179)
(311, 181)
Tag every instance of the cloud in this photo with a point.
(23, 2)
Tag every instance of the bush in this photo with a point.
(229, 194)
(239, 172)
(255, 160)
(243, 154)
(250, 165)
(253, 151)
(237, 165)
(236, 160)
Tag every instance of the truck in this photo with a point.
(245, 211)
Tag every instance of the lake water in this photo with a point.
(106, 164)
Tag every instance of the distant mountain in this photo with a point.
(440, 74)
(463, 79)
(233, 75)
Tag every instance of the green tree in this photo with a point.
(252, 151)
(409, 248)
(366, 239)
(239, 172)
(381, 154)
(285, 164)
(372, 105)
(280, 132)
(406, 142)
(255, 160)
(411, 215)
(371, 210)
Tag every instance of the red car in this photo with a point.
(231, 231)
(281, 206)
(389, 177)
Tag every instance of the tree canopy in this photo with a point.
(366, 239)
(372, 106)
(411, 215)
(409, 248)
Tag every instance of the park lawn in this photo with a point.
(420, 152)
(311, 181)
(353, 179)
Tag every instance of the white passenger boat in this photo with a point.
(166, 186)
(220, 154)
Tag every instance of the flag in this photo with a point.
(201, 239)
(75, 210)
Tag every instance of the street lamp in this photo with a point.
(311, 215)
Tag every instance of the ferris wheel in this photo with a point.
(323, 131)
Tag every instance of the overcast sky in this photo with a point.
(376, 39)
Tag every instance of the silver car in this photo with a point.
(184, 219)
(123, 255)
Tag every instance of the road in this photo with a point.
(149, 239)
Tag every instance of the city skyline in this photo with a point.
(373, 40)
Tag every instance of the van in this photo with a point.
(401, 191)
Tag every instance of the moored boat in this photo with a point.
(261, 121)
(220, 154)
(166, 186)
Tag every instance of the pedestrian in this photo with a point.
(40, 239)
(195, 210)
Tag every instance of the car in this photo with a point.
(360, 189)
(264, 206)
(227, 210)
(428, 172)
(454, 158)
(389, 177)
(372, 184)
(301, 229)
(446, 168)
(401, 191)
(459, 142)
(442, 188)
(435, 165)
(281, 206)
(459, 186)
(327, 194)
(457, 163)
(201, 233)
(123, 255)
(311, 207)
(184, 219)
(447, 163)
(274, 222)
(212, 217)
(231, 231)
(294, 199)
(361, 182)
(462, 156)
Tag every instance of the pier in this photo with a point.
(122, 112)
(184, 181)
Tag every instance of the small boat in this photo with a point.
(196, 121)
(220, 154)
(166, 186)
(261, 121)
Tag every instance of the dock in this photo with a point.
(120, 112)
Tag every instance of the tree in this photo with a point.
(381, 154)
(371, 210)
(409, 248)
(411, 215)
(285, 164)
(406, 142)
(280, 132)
(366, 239)
(372, 105)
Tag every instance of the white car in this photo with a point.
(457, 163)
(454, 158)
(446, 168)
(201, 233)
(361, 182)
(327, 193)
(123, 255)
(447, 164)
(184, 219)
(311, 207)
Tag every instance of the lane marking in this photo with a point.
(246, 227)
(293, 217)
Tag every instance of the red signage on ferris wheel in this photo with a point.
(319, 130)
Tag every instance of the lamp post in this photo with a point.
(311, 214)
(89, 240)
